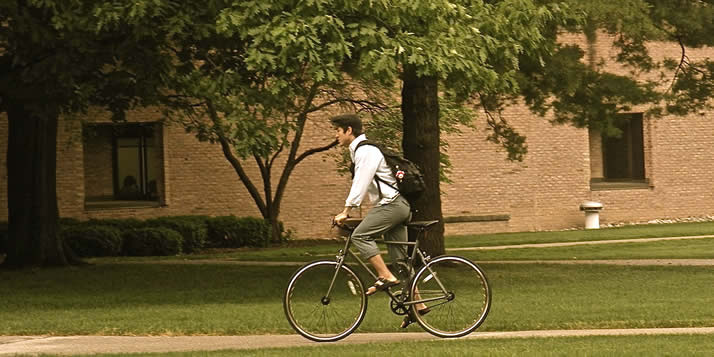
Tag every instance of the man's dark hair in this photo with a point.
(345, 121)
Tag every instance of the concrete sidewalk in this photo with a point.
(570, 244)
(72, 345)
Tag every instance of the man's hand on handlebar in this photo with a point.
(341, 218)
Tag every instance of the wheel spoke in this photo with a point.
(471, 296)
(305, 309)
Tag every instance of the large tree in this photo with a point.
(57, 57)
(258, 70)
(489, 53)
(459, 52)
(251, 75)
(254, 73)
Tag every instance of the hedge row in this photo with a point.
(158, 236)
(93, 240)
(232, 232)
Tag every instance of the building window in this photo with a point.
(619, 159)
(123, 162)
(624, 156)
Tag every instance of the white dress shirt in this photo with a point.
(369, 162)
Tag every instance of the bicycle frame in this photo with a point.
(416, 252)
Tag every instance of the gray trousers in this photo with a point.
(387, 220)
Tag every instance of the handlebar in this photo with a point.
(342, 226)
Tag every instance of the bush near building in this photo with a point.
(122, 224)
(234, 232)
(93, 240)
(193, 229)
(159, 241)
(169, 235)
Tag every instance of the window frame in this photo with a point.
(132, 131)
(636, 156)
(143, 132)
(632, 139)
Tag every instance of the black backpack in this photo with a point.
(410, 180)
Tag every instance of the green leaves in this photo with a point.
(288, 39)
(274, 58)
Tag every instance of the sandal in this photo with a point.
(409, 319)
(380, 285)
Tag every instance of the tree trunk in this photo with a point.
(275, 231)
(32, 195)
(420, 120)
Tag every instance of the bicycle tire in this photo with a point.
(323, 320)
(467, 302)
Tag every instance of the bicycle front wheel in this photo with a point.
(457, 294)
(323, 303)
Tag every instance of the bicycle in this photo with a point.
(325, 300)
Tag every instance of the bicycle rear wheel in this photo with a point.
(457, 293)
(319, 310)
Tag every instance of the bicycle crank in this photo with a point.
(397, 304)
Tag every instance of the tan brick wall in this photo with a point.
(680, 162)
(541, 193)
(597, 169)
(70, 169)
(97, 152)
(199, 180)
(196, 178)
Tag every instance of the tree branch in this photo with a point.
(228, 153)
(505, 135)
(292, 161)
(265, 173)
(315, 151)
(680, 67)
(275, 156)
(365, 104)
(181, 100)
(684, 65)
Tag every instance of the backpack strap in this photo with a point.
(376, 178)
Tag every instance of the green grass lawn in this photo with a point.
(305, 251)
(677, 249)
(111, 297)
(625, 232)
(673, 249)
(310, 250)
(678, 345)
(156, 299)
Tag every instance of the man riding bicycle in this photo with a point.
(373, 181)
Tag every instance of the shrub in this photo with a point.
(68, 221)
(122, 224)
(196, 219)
(91, 240)
(233, 232)
(193, 230)
(285, 235)
(152, 242)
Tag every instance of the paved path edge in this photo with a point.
(10, 345)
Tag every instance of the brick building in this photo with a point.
(659, 169)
